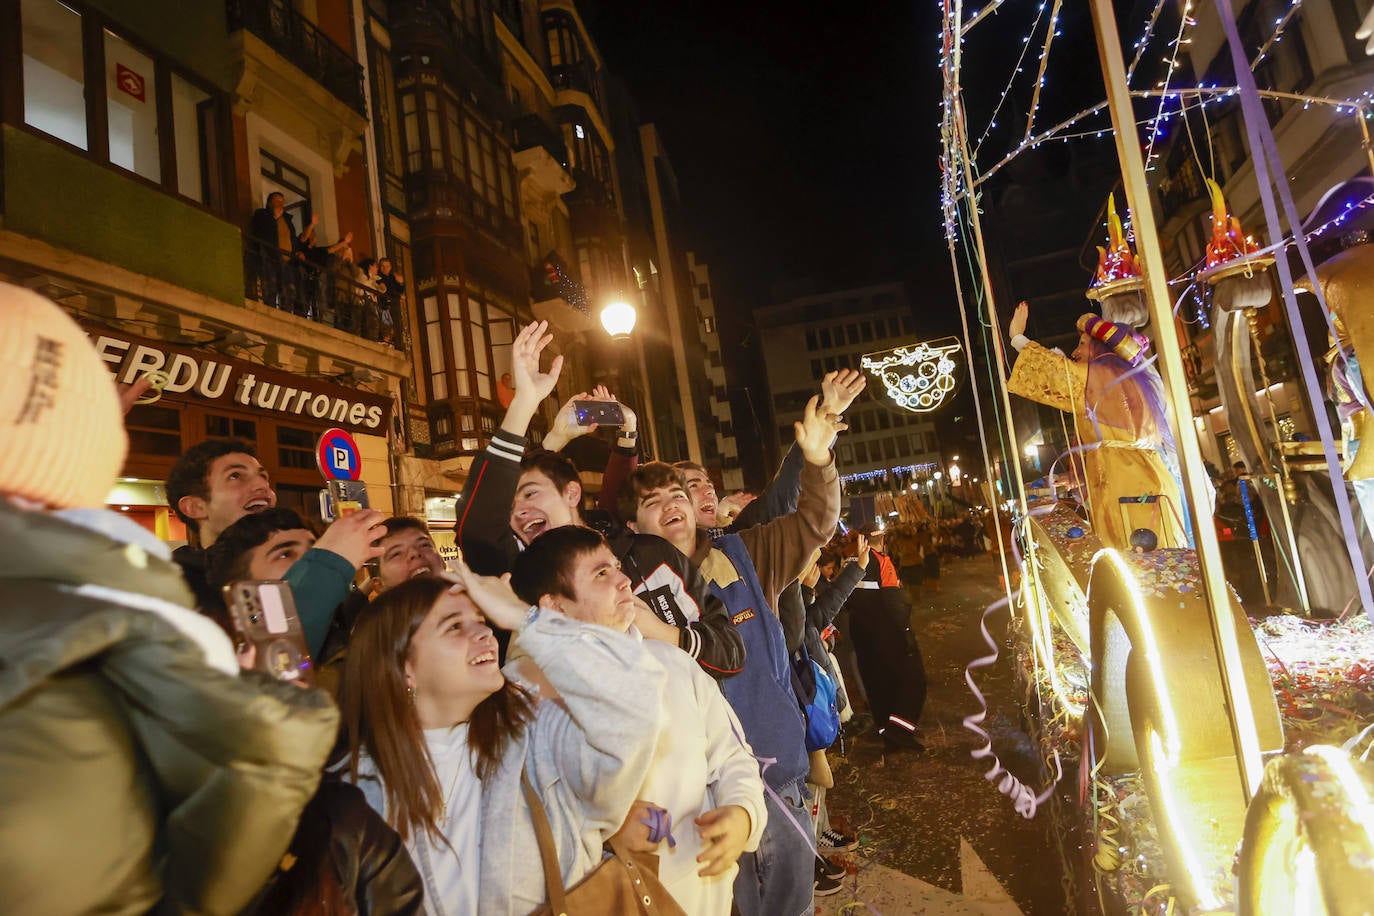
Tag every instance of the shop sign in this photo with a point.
(204, 376)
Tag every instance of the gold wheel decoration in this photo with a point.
(1309, 837)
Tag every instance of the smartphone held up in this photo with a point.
(264, 615)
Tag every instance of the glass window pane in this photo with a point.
(131, 93)
(410, 123)
(190, 109)
(54, 80)
(474, 157)
(455, 140)
(479, 347)
(436, 152)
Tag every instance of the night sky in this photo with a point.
(803, 135)
(805, 140)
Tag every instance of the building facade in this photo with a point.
(479, 146)
(805, 338)
(723, 425)
(138, 144)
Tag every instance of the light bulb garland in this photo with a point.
(1050, 34)
(1279, 25)
(1144, 40)
(906, 470)
(917, 378)
(1011, 80)
(1185, 20)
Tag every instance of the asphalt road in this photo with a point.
(911, 811)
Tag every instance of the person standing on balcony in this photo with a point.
(272, 227)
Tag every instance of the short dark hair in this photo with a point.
(552, 465)
(190, 476)
(227, 559)
(646, 477)
(276, 194)
(546, 566)
(691, 466)
(398, 523)
(365, 263)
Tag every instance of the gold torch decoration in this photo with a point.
(918, 377)
(1237, 276)
(1118, 283)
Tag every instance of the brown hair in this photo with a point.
(650, 476)
(690, 466)
(558, 468)
(546, 566)
(381, 720)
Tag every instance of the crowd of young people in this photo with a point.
(585, 685)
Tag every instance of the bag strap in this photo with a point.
(548, 853)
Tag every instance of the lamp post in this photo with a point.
(618, 318)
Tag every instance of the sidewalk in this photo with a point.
(935, 836)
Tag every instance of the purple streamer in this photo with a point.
(1268, 168)
(660, 824)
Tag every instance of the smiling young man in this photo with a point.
(703, 775)
(747, 571)
(511, 498)
(275, 544)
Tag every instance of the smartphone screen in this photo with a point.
(602, 413)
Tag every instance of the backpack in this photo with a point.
(816, 695)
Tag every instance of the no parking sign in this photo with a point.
(338, 456)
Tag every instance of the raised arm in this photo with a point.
(483, 530)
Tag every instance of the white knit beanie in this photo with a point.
(62, 439)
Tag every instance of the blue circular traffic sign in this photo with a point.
(338, 456)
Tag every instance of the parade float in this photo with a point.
(1211, 760)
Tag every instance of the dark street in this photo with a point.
(914, 814)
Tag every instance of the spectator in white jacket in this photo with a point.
(704, 775)
(438, 737)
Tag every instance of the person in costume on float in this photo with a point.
(1120, 408)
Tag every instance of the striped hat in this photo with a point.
(62, 439)
(1119, 338)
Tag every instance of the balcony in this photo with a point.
(328, 296)
(539, 151)
(297, 40)
(558, 298)
(577, 77)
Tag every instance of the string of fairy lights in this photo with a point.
(1050, 35)
(1279, 25)
(1184, 21)
(1143, 41)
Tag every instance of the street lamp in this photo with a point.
(618, 318)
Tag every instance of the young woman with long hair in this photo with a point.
(438, 738)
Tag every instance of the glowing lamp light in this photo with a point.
(917, 377)
(954, 472)
(618, 319)
(938, 475)
(1032, 451)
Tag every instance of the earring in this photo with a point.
(410, 692)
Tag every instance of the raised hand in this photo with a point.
(816, 430)
(839, 389)
(531, 385)
(1018, 319)
(565, 427)
(861, 551)
(355, 537)
(493, 596)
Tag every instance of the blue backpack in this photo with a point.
(816, 694)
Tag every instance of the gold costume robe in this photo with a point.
(1119, 467)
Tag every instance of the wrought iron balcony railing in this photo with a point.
(329, 296)
(298, 40)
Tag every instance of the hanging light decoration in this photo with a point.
(918, 377)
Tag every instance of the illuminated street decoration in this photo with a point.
(918, 377)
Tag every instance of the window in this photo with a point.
(477, 328)
(293, 183)
(157, 122)
(54, 75)
(219, 426)
(709, 324)
(460, 350)
(131, 108)
(382, 101)
(410, 125)
(851, 332)
(810, 338)
(433, 148)
(295, 448)
(501, 330)
(816, 370)
(455, 140)
(154, 431)
(434, 337)
(866, 331)
(193, 121)
(825, 338)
